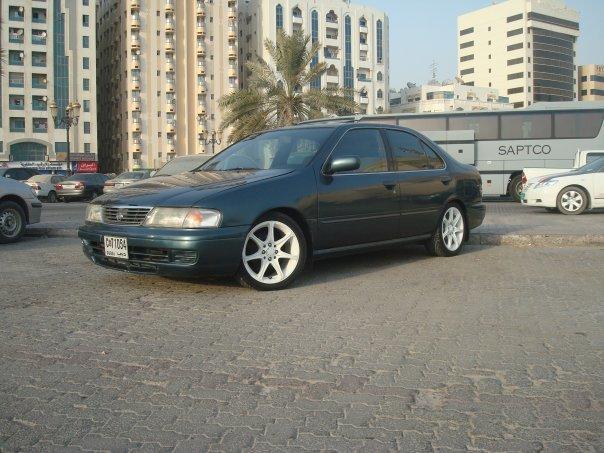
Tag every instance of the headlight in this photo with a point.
(183, 218)
(547, 183)
(94, 213)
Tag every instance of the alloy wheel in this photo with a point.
(10, 222)
(572, 201)
(271, 252)
(452, 228)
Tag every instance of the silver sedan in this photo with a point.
(125, 179)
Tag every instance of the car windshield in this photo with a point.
(131, 175)
(181, 165)
(282, 149)
(41, 178)
(595, 165)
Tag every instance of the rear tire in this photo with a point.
(12, 222)
(273, 254)
(52, 197)
(449, 236)
(516, 187)
(572, 200)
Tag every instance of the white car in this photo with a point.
(19, 207)
(44, 186)
(570, 193)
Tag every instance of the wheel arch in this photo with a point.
(512, 176)
(297, 217)
(583, 188)
(19, 201)
(459, 202)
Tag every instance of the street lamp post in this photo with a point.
(71, 118)
(213, 140)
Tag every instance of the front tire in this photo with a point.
(12, 222)
(448, 238)
(572, 200)
(52, 197)
(274, 253)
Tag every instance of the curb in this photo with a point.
(514, 240)
(538, 240)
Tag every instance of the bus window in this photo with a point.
(485, 126)
(578, 124)
(424, 124)
(526, 125)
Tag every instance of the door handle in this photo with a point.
(446, 180)
(390, 185)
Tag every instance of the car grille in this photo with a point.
(125, 215)
(151, 255)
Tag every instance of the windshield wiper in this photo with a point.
(241, 169)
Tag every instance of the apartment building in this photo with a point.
(354, 42)
(591, 82)
(524, 48)
(49, 56)
(163, 65)
(446, 97)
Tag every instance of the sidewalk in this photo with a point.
(506, 223)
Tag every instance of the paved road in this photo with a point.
(497, 349)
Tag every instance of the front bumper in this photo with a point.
(539, 197)
(476, 213)
(168, 252)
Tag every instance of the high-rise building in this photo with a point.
(591, 82)
(163, 65)
(524, 48)
(49, 56)
(354, 42)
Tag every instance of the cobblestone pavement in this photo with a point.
(497, 349)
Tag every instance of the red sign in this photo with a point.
(87, 166)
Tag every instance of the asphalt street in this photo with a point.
(499, 348)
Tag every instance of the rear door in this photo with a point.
(361, 206)
(423, 181)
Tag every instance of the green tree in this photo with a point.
(275, 96)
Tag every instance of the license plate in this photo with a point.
(116, 247)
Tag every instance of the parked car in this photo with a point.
(81, 186)
(19, 207)
(570, 193)
(181, 164)
(266, 205)
(125, 179)
(44, 186)
(581, 158)
(18, 173)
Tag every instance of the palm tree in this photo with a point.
(275, 97)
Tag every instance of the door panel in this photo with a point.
(360, 206)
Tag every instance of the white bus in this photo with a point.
(501, 143)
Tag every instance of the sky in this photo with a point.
(425, 30)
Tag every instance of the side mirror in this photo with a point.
(342, 164)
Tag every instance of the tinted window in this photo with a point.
(434, 160)
(367, 145)
(578, 124)
(592, 157)
(526, 126)
(484, 126)
(424, 124)
(406, 151)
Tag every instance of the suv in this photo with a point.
(19, 173)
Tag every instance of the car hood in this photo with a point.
(185, 189)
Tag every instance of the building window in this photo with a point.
(515, 32)
(467, 44)
(314, 25)
(348, 69)
(87, 148)
(380, 76)
(85, 63)
(87, 127)
(466, 71)
(86, 105)
(514, 18)
(86, 84)
(85, 20)
(380, 94)
(516, 75)
(516, 90)
(85, 42)
(17, 124)
(279, 17)
(514, 61)
(515, 46)
(466, 31)
(379, 38)
(466, 58)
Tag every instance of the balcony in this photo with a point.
(135, 103)
(297, 19)
(136, 124)
(365, 63)
(135, 43)
(169, 65)
(232, 52)
(201, 69)
(363, 46)
(201, 87)
(331, 53)
(363, 100)
(363, 29)
(201, 29)
(232, 33)
(171, 126)
(364, 78)
(170, 105)
(201, 50)
(232, 72)
(169, 6)
(200, 10)
(170, 45)
(332, 78)
(170, 85)
(135, 83)
(135, 4)
(136, 61)
(170, 26)
(135, 23)
(232, 13)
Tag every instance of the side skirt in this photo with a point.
(369, 246)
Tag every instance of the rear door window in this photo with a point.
(407, 151)
(367, 145)
(434, 160)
